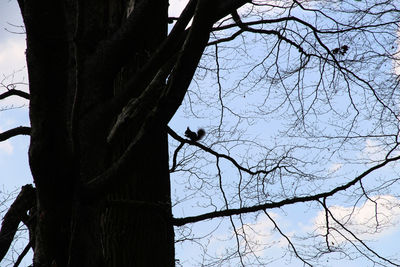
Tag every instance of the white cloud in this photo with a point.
(12, 55)
(256, 237)
(335, 167)
(261, 234)
(377, 217)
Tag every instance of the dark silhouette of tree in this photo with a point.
(299, 101)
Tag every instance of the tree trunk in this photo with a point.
(129, 224)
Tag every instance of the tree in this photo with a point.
(107, 77)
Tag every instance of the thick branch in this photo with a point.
(14, 92)
(193, 49)
(138, 110)
(167, 101)
(230, 212)
(111, 54)
(164, 53)
(24, 201)
(188, 60)
(213, 12)
(21, 130)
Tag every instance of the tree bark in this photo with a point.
(130, 223)
(99, 109)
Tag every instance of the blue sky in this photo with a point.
(14, 111)
(295, 220)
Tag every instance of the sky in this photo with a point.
(295, 220)
(14, 111)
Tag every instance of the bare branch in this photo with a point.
(21, 130)
(23, 254)
(288, 201)
(287, 239)
(218, 155)
(358, 239)
(174, 164)
(14, 92)
(24, 201)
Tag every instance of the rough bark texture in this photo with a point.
(68, 145)
(100, 102)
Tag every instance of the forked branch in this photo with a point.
(16, 213)
(284, 202)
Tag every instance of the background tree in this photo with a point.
(290, 94)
